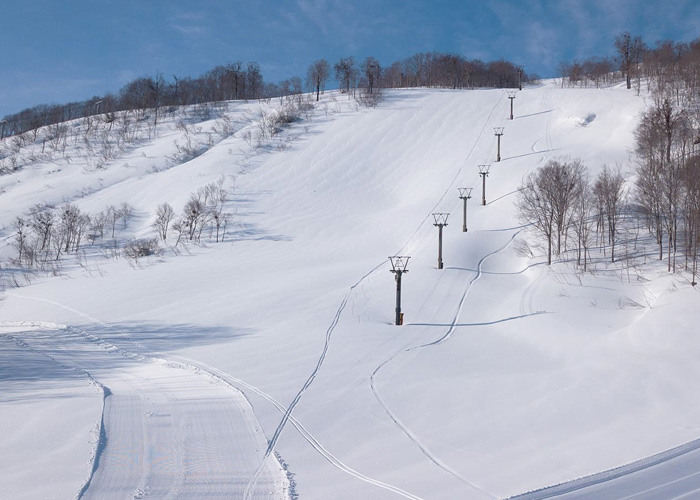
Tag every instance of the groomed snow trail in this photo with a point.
(332, 459)
(167, 430)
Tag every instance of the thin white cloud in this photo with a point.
(319, 13)
(126, 75)
(542, 43)
(189, 30)
(191, 16)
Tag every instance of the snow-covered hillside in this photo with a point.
(268, 365)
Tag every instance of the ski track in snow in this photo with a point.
(588, 487)
(333, 460)
(288, 412)
(167, 429)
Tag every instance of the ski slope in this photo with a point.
(508, 375)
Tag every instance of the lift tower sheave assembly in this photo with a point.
(511, 96)
(398, 267)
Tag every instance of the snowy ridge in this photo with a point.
(99, 447)
(609, 475)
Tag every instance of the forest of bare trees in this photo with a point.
(667, 159)
(567, 209)
(636, 62)
(452, 71)
(663, 195)
(229, 82)
(239, 81)
(45, 234)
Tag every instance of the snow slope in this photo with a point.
(507, 376)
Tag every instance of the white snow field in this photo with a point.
(268, 366)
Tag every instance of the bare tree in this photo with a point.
(98, 222)
(346, 73)
(691, 180)
(317, 75)
(535, 206)
(215, 198)
(21, 230)
(253, 81)
(194, 216)
(567, 177)
(581, 221)
(671, 192)
(663, 140)
(629, 51)
(372, 72)
(650, 155)
(157, 87)
(609, 194)
(126, 212)
(164, 216)
(296, 88)
(113, 215)
(548, 197)
(180, 227)
(71, 227)
(42, 220)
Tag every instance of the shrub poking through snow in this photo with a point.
(142, 247)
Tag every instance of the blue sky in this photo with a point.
(59, 51)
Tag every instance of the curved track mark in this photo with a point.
(373, 384)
